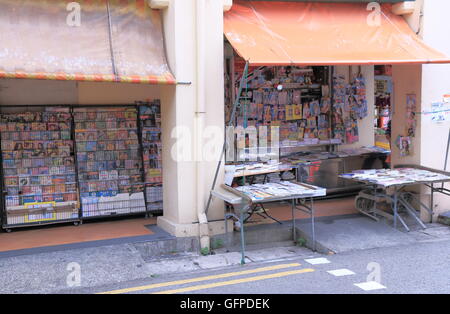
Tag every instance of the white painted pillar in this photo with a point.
(187, 182)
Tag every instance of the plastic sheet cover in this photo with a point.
(40, 39)
(138, 43)
(313, 33)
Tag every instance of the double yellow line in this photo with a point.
(219, 276)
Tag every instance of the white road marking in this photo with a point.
(341, 272)
(317, 261)
(370, 285)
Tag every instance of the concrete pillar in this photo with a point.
(187, 181)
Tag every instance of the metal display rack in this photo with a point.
(119, 207)
(52, 209)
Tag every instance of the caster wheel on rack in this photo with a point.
(8, 230)
(76, 223)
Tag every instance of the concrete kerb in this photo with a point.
(258, 236)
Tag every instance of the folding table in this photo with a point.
(367, 200)
(242, 202)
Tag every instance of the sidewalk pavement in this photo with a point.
(53, 272)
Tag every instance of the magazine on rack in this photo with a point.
(109, 162)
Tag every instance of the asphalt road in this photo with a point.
(419, 268)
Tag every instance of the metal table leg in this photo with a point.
(395, 199)
(294, 233)
(226, 233)
(241, 220)
(432, 202)
(395, 207)
(411, 212)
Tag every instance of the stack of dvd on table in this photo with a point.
(38, 167)
(150, 117)
(109, 161)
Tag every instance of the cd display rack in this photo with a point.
(150, 126)
(109, 161)
(38, 168)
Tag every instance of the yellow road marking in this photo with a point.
(236, 281)
(185, 281)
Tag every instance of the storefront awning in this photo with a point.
(86, 40)
(308, 33)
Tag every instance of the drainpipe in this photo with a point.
(200, 123)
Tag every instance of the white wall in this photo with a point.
(187, 183)
(37, 92)
(435, 81)
(46, 92)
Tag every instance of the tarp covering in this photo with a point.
(313, 33)
(40, 39)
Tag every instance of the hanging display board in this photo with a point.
(290, 99)
(349, 106)
(38, 167)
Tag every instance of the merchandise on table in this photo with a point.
(399, 176)
(260, 168)
(109, 163)
(150, 119)
(38, 166)
(259, 192)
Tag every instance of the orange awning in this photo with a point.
(114, 41)
(300, 33)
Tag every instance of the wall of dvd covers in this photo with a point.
(64, 164)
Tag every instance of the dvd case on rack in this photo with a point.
(104, 150)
